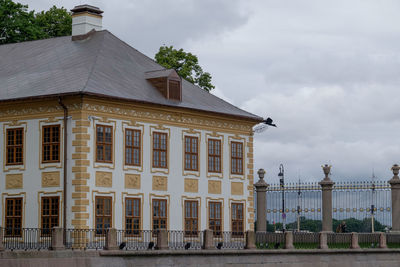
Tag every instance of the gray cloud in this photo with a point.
(328, 72)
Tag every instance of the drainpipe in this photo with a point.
(65, 162)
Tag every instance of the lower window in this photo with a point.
(159, 214)
(132, 216)
(237, 219)
(50, 214)
(13, 217)
(191, 217)
(103, 214)
(215, 217)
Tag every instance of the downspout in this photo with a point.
(65, 162)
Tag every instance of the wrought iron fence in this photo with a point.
(136, 240)
(366, 201)
(302, 200)
(85, 238)
(185, 240)
(303, 240)
(339, 240)
(230, 240)
(26, 238)
(368, 240)
(265, 240)
(393, 240)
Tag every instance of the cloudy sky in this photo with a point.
(326, 72)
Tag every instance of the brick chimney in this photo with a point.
(85, 18)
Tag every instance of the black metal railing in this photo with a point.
(230, 240)
(136, 239)
(304, 240)
(267, 240)
(185, 240)
(26, 238)
(339, 240)
(368, 240)
(85, 238)
(393, 240)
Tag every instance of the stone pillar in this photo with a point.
(261, 189)
(111, 239)
(323, 240)
(57, 238)
(382, 240)
(250, 240)
(289, 240)
(354, 240)
(395, 188)
(162, 239)
(208, 239)
(326, 185)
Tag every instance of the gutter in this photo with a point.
(65, 162)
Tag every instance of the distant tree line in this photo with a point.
(352, 225)
(17, 24)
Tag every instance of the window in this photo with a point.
(214, 155)
(103, 214)
(51, 143)
(191, 153)
(104, 143)
(237, 219)
(50, 213)
(215, 217)
(159, 214)
(236, 158)
(174, 90)
(159, 150)
(13, 217)
(15, 146)
(132, 147)
(132, 216)
(191, 218)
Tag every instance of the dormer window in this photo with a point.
(168, 83)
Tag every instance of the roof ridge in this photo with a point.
(94, 62)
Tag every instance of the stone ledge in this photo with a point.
(216, 252)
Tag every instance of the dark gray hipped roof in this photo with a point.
(100, 65)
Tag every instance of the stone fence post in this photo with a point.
(261, 189)
(327, 186)
(208, 239)
(323, 240)
(382, 240)
(250, 240)
(162, 239)
(57, 238)
(395, 190)
(289, 240)
(354, 240)
(111, 239)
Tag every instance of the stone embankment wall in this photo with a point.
(296, 258)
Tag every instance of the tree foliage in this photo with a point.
(55, 22)
(352, 225)
(17, 24)
(186, 65)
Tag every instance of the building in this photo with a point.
(97, 135)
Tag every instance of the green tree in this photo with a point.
(186, 65)
(55, 22)
(17, 24)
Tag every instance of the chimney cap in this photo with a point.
(87, 8)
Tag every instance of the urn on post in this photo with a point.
(395, 192)
(261, 189)
(326, 186)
